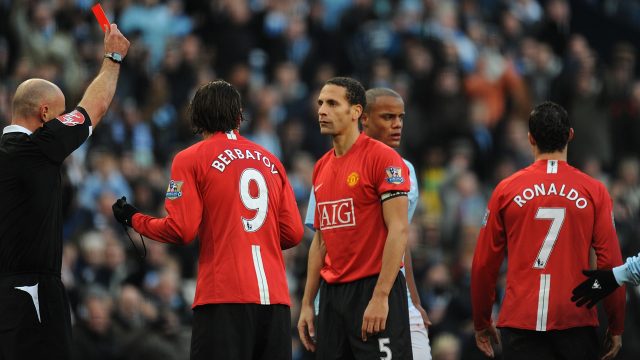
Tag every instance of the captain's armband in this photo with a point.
(392, 194)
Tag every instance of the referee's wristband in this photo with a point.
(114, 56)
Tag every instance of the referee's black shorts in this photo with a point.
(339, 329)
(35, 320)
(241, 332)
(580, 343)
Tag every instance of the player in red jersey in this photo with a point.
(234, 195)
(361, 188)
(547, 217)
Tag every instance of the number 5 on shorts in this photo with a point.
(383, 342)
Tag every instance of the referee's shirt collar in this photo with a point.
(16, 128)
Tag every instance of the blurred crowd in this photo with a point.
(468, 70)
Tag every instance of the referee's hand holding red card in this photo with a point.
(115, 42)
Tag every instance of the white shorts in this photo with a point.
(419, 335)
(420, 343)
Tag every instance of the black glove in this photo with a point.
(123, 211)
(599, 284)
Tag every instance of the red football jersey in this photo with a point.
(546, 217)
(348, 192)
(235, 196)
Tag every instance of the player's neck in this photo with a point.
(343, 142)
(557, 155)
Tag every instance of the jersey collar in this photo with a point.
(16, 128)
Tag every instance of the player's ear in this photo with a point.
(356, 111)
(532, 141)
(364, 119)
(239, 120)
(570, 135)
(43, 113)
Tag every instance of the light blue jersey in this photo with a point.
(629, 273)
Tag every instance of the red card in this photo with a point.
(100, 16)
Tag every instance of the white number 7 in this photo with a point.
(557, 217)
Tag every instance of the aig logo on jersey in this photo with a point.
(72, 119)
(336, 214)
(174, 190)
(394, 175)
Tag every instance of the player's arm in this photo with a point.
(411, 286)
(291, 229)
(629, 273)
(98, 96)
(488, 256)
(607, 247)
(306, 329)
(414, 195)
(183, 205)
(394, 212)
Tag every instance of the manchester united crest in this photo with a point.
(352, 179)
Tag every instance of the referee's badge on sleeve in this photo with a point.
(72, 119)
(174, 190)
(394, 175)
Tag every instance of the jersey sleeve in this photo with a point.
(390, 173)
(291, 229)
(183, 204)
(629, 273)
(413, 192)
(315, 223)
(311, 211)
(607, 248)
(488, 256)
(59, 137)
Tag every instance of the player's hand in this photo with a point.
(423, 313)
(485, 338)
(123, 211)
(374, 319)
(114, 41)
(612, 345)
(599, 284)
(306, 330)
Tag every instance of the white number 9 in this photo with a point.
(259, 203)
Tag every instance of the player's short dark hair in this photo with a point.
(375, 93)
(355, 90)
(216, 107)
(549, 125)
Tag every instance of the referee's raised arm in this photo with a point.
(98, 96)
(35, 321)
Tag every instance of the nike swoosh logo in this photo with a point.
(318, 187)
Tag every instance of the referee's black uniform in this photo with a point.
(35, 320)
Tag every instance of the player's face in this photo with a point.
(335, 114)
(384, 120)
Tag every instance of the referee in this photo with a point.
(35, 320)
